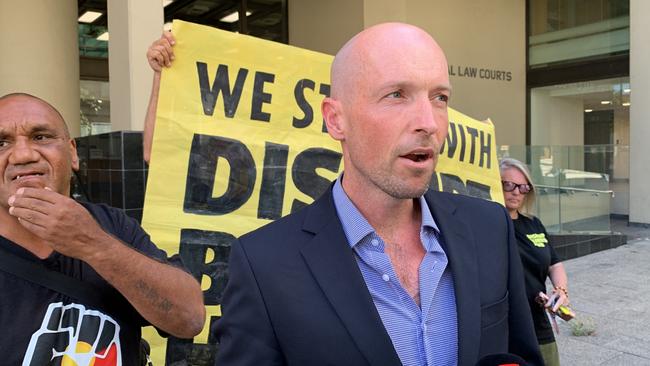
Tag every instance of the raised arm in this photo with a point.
(164, 295)
(160, 54)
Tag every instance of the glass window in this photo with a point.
(562, 30)
(91, 42)
(585, 113)
(265, 19)
(95, 107)
(585, 128)
(268, 20)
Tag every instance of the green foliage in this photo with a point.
(583, 326)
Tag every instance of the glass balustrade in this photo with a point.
(578, 187)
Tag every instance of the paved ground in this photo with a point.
(633, 232)
(611, 289)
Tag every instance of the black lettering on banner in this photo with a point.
(485, 150)
(304, 172)
(484, 140)
(476, 189)
(452, 184)
(204, 155)
(260, 97)
(221, 84)
(474, 133)
(273, 181)
(324, 90)
(193, 249)
(303, 104)
(451, 141)
(185, 352)
(461, 133)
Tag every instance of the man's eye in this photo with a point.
(442, 98)
(395, 94)
(4, 143)
(41, 137)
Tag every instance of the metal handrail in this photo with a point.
(610, 192)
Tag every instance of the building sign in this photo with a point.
(477, 72)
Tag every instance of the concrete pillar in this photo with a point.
(639, 111)
(40, 53)
(132, 26)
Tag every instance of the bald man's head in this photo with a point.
(359, 55)
(36, 149)
(388, 108)
(7, 97)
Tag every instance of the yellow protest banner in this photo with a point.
(240, 141)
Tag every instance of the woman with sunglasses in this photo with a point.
(537, 255)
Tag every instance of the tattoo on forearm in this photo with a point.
(153, 296)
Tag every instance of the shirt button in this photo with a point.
(424, 327)
(374, 242)
(385, 277)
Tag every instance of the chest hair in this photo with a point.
(406, 256)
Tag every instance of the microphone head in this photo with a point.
(501, 359)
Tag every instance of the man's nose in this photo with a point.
(23, 153)
(426, 117)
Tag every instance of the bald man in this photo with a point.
(129, 282)
(380, 270)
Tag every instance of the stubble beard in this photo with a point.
(398, 188)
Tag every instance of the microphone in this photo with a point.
(501, 359)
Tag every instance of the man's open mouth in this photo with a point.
(418, 156)
(27, 175)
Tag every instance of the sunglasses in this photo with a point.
(510, 186)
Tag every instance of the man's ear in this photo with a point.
(333, 116)
(74, 158)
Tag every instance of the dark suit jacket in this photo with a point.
(297, 297)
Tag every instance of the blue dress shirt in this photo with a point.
(422, 335)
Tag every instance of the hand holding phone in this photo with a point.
(565, 313)
(552, 301)
(552, 305)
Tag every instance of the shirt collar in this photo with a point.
(355, 225)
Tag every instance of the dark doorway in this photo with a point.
(599, 131)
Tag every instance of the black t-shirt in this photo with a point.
(537, 255)
(43, 327)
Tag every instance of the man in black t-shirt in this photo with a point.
(92, 243)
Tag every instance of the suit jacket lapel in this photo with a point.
(332, 263)
(459, 246)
